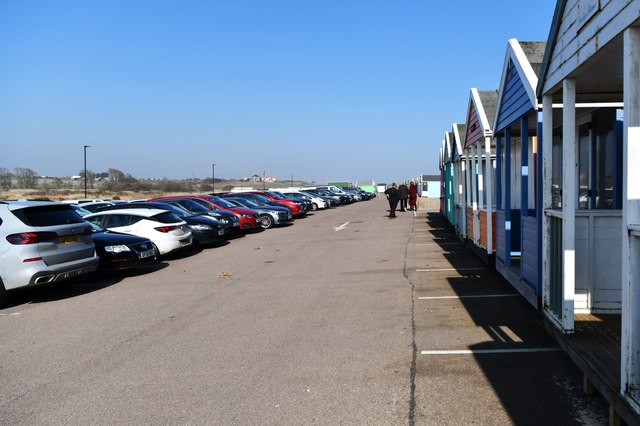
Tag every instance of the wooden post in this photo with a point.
(547, 196)
(498, 172)
(489, 189)
(630, 345)
(568, 203)
(507, 196)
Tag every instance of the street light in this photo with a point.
(85, 170)
(213, 179)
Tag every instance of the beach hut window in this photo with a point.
(599, 150)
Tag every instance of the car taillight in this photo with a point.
(31, 237)
(166, 229)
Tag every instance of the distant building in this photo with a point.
(429, 186)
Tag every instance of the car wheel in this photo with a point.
(314, 206)
(266, 221)
(4, 295)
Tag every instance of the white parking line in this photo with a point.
(450, 269)
(9, 314)
(489, 351)
(341, 227)
(477, 296)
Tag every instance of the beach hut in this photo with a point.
(459, 176)
(480, 154)
(590, 90)
(448, 170)
(516, 132)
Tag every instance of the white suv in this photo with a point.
(42, 242)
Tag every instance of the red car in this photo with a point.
(297, 209)
(248, 218)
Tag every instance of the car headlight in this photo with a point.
(200, 227)
(246, 216)
(117, 249)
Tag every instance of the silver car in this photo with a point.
(42, 242)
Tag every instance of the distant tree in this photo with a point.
(5, 178)
(102, 175)
(91, 177)
(26, 178)
(115, 175)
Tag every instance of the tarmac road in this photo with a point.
(320, 322)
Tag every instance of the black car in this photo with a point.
(229, 221)
(120, 251)
(205, 229)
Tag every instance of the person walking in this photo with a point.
(413, 196)
(403, 192)
(392, 196)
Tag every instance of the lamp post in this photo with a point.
(213, 179)
(85, 170)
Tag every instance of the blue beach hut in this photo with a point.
(518, 238)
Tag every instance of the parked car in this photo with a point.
(121, 251)
(229, 221)
(42, 242)
(165, 230)
(339, 200)
(248, 218)
(205, 229)
(316, 201)
(330, 201)
(269, 215)
(297, 207)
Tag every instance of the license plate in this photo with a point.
(236, 223)
(70, 239)
(220, 233)
(145, 254)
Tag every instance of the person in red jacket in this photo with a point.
(413, 196)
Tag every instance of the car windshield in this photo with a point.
(222, 202)
(191, 206)
(260, 199)
(96, 228)
(80, 210)
(276, 195)
(178, 211)
(245, 202)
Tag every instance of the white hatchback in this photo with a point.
(165, 230)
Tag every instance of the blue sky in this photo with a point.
(319, 90)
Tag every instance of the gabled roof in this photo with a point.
(551, 44)
(526, 58)
(448, 151)
(482, 104)
(458, 135)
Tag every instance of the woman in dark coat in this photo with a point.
(403, 193)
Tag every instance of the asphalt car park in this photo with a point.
(331, 320)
